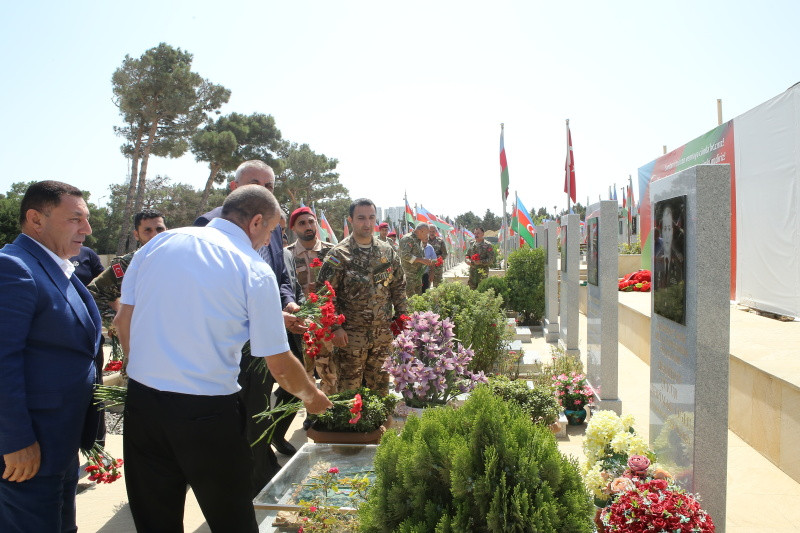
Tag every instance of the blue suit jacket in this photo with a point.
(50, 330)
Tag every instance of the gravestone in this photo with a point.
(540, 236)
(690, 330)
(570, 281)
(602, 292)
(550, 321)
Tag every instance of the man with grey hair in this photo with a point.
(191, 298)
(254, 388)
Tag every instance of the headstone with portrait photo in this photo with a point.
(690, 329)
(550, 320)
(602, 294)
(570, 282)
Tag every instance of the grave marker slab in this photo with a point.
(570, 281)
(602, 340)
(550, 321)
(690, 330)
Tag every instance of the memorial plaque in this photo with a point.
(690, 330)
(669, 259)
(591, 254)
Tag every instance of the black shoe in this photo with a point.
(284, 446)
(307, 423)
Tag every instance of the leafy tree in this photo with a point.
(525, 281)
(491, 221)
(162, 103)
(230, 141)
(307, 177)
(469, 220)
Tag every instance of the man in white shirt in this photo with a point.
(190, 299)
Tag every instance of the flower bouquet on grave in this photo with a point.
(426, 365)
(320, 314)
(103, 467)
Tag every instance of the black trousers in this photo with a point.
(173, 440)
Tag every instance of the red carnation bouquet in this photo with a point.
(475, 258)
(398, 324)
(638, 281)
(102, 468)
(321, 314)
(314, 268)
(439, 262)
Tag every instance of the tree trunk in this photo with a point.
(125, 232)
(151, 137)
(215, 167)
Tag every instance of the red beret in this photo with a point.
(392, 234)
(383, 225)
(297, 212)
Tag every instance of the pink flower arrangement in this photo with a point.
(572, 392)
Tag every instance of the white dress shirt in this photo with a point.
(200, 293)
(65, 265)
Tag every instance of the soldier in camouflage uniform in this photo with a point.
(304, 250)
(370, 287)
(441, 251)
(412, 257)
(479, 270)
(106, 287)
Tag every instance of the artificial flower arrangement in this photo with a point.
(368, 412)
(320, 314)
(633, 492)
(639, 281)
(572, 391)
(426, 364)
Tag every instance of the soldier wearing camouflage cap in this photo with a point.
(370, 287)
(106, 288)
(412, 255)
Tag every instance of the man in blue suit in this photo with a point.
(50, 331)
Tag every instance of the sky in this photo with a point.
(408, 96)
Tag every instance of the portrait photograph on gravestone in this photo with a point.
(563, 248)
(669, 259)
(592, 251)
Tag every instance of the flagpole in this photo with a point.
(502, 226)
(569, 169)
(630, 206)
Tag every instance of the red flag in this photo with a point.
(346, 228)
(569, 169)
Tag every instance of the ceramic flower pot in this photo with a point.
(575, 418)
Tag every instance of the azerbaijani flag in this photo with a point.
(503, 166)
(323, 222)
(423, 215)
(522, 224)
(409, 214)
(346, 229)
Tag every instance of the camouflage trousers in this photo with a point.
(363, 357)
(325, 365)
(476, 275)
(413, 283)
(436, 275)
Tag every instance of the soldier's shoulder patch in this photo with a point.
(332, 259)
(117, 269)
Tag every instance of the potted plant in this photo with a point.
(574, 394)
(358, 416)
(426, 364)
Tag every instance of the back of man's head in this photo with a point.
(247, 201)
(45, 195)
(145, 214)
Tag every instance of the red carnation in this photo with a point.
(315, 263)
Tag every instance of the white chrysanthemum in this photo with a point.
(594, 481)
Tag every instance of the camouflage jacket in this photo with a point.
(369, 283)
(485, 250)
(410, 247)
(438, 246)
(107, 287)
(303, 257)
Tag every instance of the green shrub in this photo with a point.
(525, 281)
(483, 467)
(539, 402)
(478, 317)
(498, 285)
(560, 363)
(374, 412)
(633, 248)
